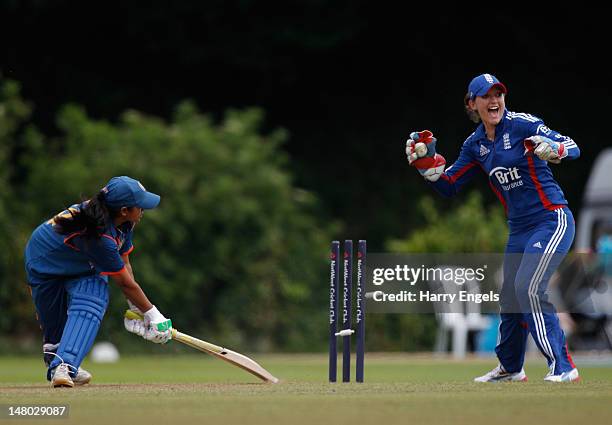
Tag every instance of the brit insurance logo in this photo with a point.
(544, 130)
(508, 178)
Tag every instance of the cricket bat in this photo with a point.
(229, 356)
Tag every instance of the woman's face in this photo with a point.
(134, 214)
(490, 107)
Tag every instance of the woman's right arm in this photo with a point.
(458, 174)
(156, 327)
(131, 289)
(104, 254)
(446, 182)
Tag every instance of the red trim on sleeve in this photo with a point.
(543, 198)
(452, 179)
(70, 236)
(113, 273)
(104, 235)
(128, 251)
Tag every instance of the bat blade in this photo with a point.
(229, 356)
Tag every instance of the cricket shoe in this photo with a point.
(570, 376)
(61, 377)
(500, 375)
(82, 377)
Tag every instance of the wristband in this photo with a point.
(153, 315)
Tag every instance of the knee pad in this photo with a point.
(88, 296)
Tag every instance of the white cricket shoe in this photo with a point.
(61, 377)
(500, 375)
(571, 376)
(82, 377)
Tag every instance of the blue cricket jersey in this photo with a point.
(523, 183)
(50, 255)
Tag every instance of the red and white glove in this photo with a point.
(421, 152)
(545, 148)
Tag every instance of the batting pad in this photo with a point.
(87, 305)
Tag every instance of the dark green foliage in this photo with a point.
(233, 251)
(472, 227)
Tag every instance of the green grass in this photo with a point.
(400, 389)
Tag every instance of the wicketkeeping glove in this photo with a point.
(545, 148)
(421, 152)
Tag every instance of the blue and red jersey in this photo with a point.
(50, 255)
(523, 183)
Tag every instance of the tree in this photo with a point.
(472, 227)
(234, 250)
(15, 301)
(469, 228)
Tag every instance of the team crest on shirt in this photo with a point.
(484, 150)
(506, 138)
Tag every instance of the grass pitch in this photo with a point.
(402, 389)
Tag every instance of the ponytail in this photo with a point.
(91, 219)
(472, 115)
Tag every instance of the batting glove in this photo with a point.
(157, 327)
(546, 149)
(134, 323)
(421, 153)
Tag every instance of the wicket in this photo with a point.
(334, 301)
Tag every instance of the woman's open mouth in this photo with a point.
(494, 112)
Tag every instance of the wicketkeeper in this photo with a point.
(68, 261)
(514, 150)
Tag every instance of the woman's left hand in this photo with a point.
(545, 148)
(133, 320)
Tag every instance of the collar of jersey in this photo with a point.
(121, 229)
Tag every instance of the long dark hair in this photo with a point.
(92, 218)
